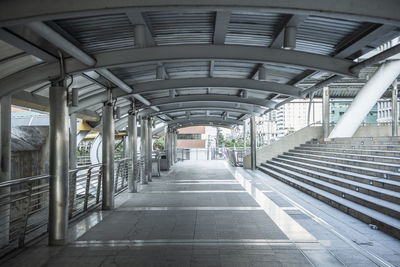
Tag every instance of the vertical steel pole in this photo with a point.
(150, 149)
(175, 146)
(325, 111)
(132, 134)
(108, 147)
(72, 160)
(143, 148)
(59, 166)
(170, 134)
(166, 145)
(253, 132)
(5, 168)
(395, 110)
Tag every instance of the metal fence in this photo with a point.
(236, 155)
(24, 202)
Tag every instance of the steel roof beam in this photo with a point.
(26, 46)
(383, 11)
(138, 56)
(214, 98)
(252, 85)
(222, 19)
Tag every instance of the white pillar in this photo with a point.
(395, 110)
(366, 99)
(5, 166)
(325, 111)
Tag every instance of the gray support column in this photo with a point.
(132, 136)
(171, 161)
(395, 110)
(244, 134)
(166, 145)
(143, 148)
(59, 166)
(5, 168)
(325, 111)
(253, 153)
(108, 147)
(149, 149)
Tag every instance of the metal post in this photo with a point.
(395, 110)
(143, 148)
(170, 161)
(166, 146)
(244, 135)
(253, 132)
(59, 166)
(5, 168)
(149, 149)
(72, 160)
(108, 155)
(132, 135)
(325, 111)
(366, 99)
(175, 146)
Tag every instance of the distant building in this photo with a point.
(384, 110)
(339, 106)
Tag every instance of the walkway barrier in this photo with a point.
(24, 203)
(236, 155)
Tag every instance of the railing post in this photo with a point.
(59, 166)
(24, 219)
(144, 149)
(99, 184)
(72, 194)
(253, 152)
(87, 188)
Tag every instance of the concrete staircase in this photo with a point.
(359, 176)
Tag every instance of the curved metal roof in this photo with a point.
(201, 62)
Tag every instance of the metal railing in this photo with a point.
(24, 203)
(236, 155)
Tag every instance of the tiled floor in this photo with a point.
(200, 214)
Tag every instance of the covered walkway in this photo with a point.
(203, 214)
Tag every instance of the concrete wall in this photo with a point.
(306, 134)
(284, 144)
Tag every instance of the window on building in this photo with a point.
(189, 136)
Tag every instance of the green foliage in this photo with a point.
(159, 143)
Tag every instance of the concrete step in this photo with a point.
(382, 139)
(347, 167)
(370, 216)
(355, 162)
(361, 147)
(330, 176)
(358, 177)
(356, 156)
(383, 206)
(372, 152)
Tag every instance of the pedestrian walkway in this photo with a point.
(201, 213)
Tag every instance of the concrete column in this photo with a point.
(143, 148)
(395, 110)
(132, 137)
(149, 149)
(170, 160)
(108, 147)
(366, 99)
(5, 166)
(325, 111)
(253, 153)
(59, 166)
(166, 146)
